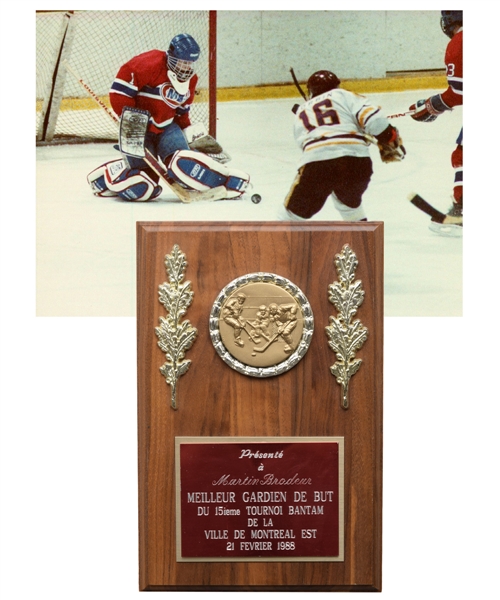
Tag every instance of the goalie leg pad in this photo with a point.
(197, 171)
(98, 178)
(134, 185)
(115, 178)
(237, 182)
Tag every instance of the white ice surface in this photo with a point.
(86, 245)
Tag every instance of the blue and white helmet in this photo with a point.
(182, 53)
(449, 20)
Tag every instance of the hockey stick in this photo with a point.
(272, 340)
(436, 215)
(91, 93)
(217, 193)
(405, 114)
(250, 335)
(266, 346)
(297, 84)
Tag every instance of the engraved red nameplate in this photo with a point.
(259, 499)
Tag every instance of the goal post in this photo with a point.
(96, 44)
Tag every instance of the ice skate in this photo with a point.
(452, 226)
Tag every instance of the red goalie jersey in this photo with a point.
(453, 96)
(143, 82)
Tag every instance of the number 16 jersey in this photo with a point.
(336, 123)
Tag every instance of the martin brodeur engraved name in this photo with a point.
(269, 479)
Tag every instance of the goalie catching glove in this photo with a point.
(390, 145)
(199, 139)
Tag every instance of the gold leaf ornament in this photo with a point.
(346, 336)
(175, 335)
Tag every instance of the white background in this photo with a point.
(69, 504)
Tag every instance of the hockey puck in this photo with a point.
(256, 198)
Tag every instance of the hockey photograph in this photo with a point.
(166, 125)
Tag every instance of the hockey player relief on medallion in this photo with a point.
(261, 324)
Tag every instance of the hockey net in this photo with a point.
(95, 44)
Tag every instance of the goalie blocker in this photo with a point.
(194, 171)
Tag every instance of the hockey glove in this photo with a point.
(428, 110)
(390, 145)
(199, 140)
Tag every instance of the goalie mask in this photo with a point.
(321, 82)
(449, 20)
(182, 53)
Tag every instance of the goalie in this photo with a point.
(162, 86)
(334, 128)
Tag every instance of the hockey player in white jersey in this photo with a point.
(334, 128)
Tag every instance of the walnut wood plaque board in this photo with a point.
(215, 401)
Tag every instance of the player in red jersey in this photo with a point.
(428, 110)
(164, 84)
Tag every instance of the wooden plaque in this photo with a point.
(255, 475)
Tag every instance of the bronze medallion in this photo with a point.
(261, 324)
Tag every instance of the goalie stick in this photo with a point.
(217, 193)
